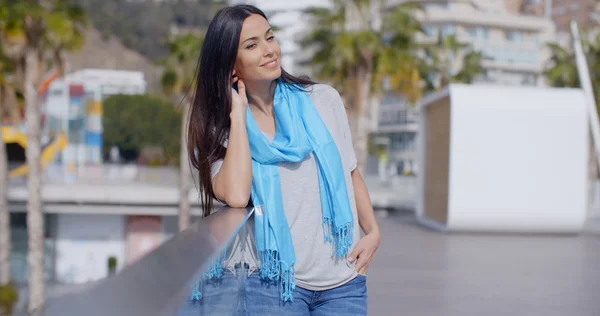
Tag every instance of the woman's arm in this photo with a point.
(233, 181)
(364, 207)
(366, 247)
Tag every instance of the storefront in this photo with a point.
(18, 257)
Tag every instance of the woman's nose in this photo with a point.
(269, 49)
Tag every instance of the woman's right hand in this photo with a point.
(239, 98)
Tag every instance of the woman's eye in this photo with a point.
(251, 46)
(270, 38)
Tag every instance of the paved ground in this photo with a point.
(421, 272)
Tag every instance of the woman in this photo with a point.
(283, 143)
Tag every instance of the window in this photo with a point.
(432, 5)
(430, 30)
(478, 32)
(535, 37)
(448, 29)
(559, 11)
(513, 36)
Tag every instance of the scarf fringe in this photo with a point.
(340, 237)
(216, 271)
(274, 269)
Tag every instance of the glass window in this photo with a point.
(430, 30)
(513, 36)
(448, 29)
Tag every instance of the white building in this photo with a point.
(111, 81)
(513, 46)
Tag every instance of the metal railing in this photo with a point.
(106, 174)
(161, 282)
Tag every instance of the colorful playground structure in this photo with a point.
(49, 151)
(72, 125)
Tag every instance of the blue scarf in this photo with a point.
(300, 131)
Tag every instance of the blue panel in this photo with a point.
(93, 139)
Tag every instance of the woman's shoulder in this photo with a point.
(327, 100)
(322, 91)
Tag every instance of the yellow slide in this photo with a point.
(11, 135)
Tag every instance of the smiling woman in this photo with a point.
(260, 136)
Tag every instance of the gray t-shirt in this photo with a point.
(316, 268)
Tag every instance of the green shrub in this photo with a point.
(112, 265)
(8, 298)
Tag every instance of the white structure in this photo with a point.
(513, 46)
(493, 159)
(287, 16)
(84, 249)
(111, 81)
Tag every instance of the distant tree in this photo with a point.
(355, 46)
(438, 66)
(133, 122)
(179, 76)
(29, 30)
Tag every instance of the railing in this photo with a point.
(160, 283)
(595, 199)
(106, 174)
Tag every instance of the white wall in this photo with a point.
(84, 244)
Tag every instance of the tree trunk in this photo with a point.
(35, 219)
(185, 182)
(361, 118)
(4, 214)
(9, 103)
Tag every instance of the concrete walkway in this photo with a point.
(420, 272)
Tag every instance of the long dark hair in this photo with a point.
(209, 120)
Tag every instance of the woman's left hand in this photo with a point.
(364, 250)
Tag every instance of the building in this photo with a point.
(529, 7)
(514, 46)
(514, 50)
(74, 109)
(111, 81)
(397, 129)
(585, 12)
(119, 212)
(581, 11)
(73, 105)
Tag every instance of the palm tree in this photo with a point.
(5, 241)
(439, 63)
(561, 70)
(356, 47)
(471, 68)
(27, 27)
(176, 81)
(65, 28)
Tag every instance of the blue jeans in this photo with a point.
(240, 294)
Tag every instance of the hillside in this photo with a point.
(112, 54)
(133, 34)
(145, 25)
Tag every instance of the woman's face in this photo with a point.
(259, 52)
